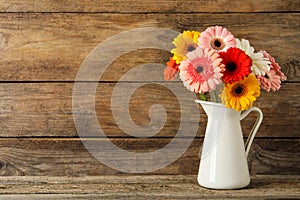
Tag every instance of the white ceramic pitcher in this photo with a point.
(223, 163)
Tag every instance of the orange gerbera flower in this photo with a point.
(171, 70)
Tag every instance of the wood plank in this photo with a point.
(137, 6)
(51, 47)
(142, 187)
(45, 109)
(68, 157)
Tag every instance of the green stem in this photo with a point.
(203, 97)
(214, 96)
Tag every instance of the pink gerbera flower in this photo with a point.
(274, 65)
(216, 38)
(272, 79)
(201, 72)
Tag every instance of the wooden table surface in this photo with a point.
(143, 187)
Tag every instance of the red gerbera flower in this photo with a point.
(171, 69)
(237, 65)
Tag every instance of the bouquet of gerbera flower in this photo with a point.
(215, 62)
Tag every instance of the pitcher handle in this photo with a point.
(254, 128)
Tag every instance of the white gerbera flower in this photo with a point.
(260, 65)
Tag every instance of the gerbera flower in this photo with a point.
(274, 65)
(184, 43)
(201, 72)
(260, 63)
(272, 79)
(171, 69)
(216, 38)
(192, 34)
(241, 95)
(237, 65)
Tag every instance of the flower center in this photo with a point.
(238, 90)
(266, 76)
(199, 69)
(191, 48)
(231, 66)
(217, 44)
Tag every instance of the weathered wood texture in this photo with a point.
(142, 187)
(68, 157)
(45, 109)
(42, 46)
(52, 46)
(138, 6)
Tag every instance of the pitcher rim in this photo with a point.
(209, 103)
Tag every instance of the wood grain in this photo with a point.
(52, 46)
(68, 157)
(142, 187)
(42, 46)
(45, 109)
(139, 6)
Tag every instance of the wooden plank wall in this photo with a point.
(43, 43)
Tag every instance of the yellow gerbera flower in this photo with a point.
(192, 34)
(184, 43)
(240, 95)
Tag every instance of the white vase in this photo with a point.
(223, 163)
